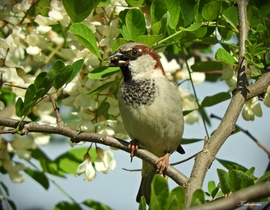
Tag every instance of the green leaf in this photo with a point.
(39, 177)
(215, 99)
(193, 26)
(63, 205)
(58, 65)
(103, 109)
(190, 141)
(7, 96)
(86, 37)
(103, 72)
(135, 24)
(246, 181)
(173, 204)
(174, 11)
(43, 7)
(39, 79)
(211, 10)
(5, 188)
(250, 172)
(157, 10)
(76, 67)
(69, 161)
(264, 178)
(46, 164)
(48, 80)
(78, 10)
(214, 192)
(226, 32)
(234, 179)
(30, 95)
(101, 88)
(159, 192)
(62, 77)
(19, 107)
(149, 40)
(253, 16)
(197, 198)
(226, 57)
(204, 66)
(187, 11)
(142, 205)
(159, 27)
(178, 196)
(12, 204)
(211, 186)
(186, 112)
(201, 32)
(229, 165)
(204, 115)
(231, 14)
(135, 3)
(96, 205)
(223, 179)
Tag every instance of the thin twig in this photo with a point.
(248, 134)
(55, 107)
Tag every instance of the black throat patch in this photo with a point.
(137, 93)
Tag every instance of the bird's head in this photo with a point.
(137, 61)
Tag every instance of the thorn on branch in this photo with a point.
(241, 85)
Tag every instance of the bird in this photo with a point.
(150, 106)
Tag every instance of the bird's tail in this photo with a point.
(148, 173)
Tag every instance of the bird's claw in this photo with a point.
(164, 163)
(133, 146)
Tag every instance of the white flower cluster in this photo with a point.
(30, 42)
(104, 161)
(252, 107)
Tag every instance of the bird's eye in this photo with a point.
(134, 52)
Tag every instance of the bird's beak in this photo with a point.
(117, 59)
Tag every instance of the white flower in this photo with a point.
(170, 67)
(22, 7)
(13, 171)
(44, 29)
(41, 138)
(105, 160)
(44, 21)
(87, 167)
(251, 108)
(21, 146)
(55, 15)
(266, 100)
(33, 50)
(105, 128)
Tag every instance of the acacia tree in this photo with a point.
(53, 53)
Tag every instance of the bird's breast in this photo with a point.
(152, 113)
(137, 93)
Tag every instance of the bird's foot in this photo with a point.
(164, 163)
(133, 146)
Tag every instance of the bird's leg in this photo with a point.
(133, 146)
(164, 163)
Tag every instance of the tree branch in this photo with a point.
(77, 136)
(211, 146)
(238, 198)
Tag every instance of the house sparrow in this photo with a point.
(150, 106)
